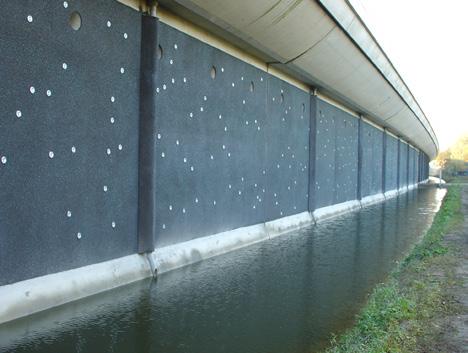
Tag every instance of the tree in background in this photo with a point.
(454, 160)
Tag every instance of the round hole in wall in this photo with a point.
(159, 52)
(75, 21)
(252, 86)
(281, 98)
(213, 72)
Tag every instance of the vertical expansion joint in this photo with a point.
(312, 151)
(147, 128)
(359, 169)
(384, 159)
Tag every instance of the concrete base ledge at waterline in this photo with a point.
(37, 294)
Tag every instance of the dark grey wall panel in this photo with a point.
(336, 155)
(287, 157)
(391, 163)
(412, 166)
(230, 151)
(372, 163)
(60, 132)
(403, 164)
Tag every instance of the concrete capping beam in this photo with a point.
(33, 295)
(332, 211)
(373, 199)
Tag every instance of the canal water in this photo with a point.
(286, 295)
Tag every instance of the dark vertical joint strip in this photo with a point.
(407, 164)
(359, 168)
(398, 164)
(312, 151)
(384, 160)
(147, 128)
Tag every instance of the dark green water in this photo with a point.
(286, 295)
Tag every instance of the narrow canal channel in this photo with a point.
(286, 295)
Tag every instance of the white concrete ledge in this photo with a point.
(328, 212)
(175, 256)
(33, 295)
(373, 199)
(288, 224)
(391, 193)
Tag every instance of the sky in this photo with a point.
(427, 42)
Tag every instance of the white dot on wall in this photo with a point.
(173, 80)
(163, 226)
(109, 23)
(159, 136)
(175, 46)
(18, 113)
(222, 69)
(220, 116)
(240, 192)
(205, 98)
(164, 86)
(4, 159)
(214, 202)
(185, 160)
(104, 188)
(32, 90)
(243, 101)
(185, 79)
(120, 147)
(122, 70)
(192, 168)
(171, 61)
(68, 213)
(112, 99)
(65, 4)
(183, 210)
(51, 154)
(64, 66)
(196, 200)
(170, 207)
(229, 154)
(30, 18)
(177, 142)
(225, 128)
(230, 186)
(191, 115)
(261, 79)
(157, 89)
(125, 35)
(113, 224)
(211, 157)
(108, 151)
(201, 109)
(233, 84)
(163, 154)
(224, 147)
(73, 149)
(112, 120)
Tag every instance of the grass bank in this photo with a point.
(400, 313)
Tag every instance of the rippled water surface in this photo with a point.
(285, 295)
